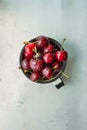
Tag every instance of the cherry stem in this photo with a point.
(27, 71)
(63, 43)
(65, 75)
(54, 68)
(43, 77)
(37, 54)
(19, 67)
(27, 42)
(35, 50)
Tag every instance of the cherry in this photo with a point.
(26, 55)
(35, 76)
(56, 65)
(25, 64)
(48, 49)
(47, 72)
(29, 54)
(29, 47)
(61, 55)
(48, 58)
(36, 65)
(29, 50)
(42, 42)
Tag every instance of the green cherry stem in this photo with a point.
(65, 75)
(27, 42)
(37, 54)
(63, 43)
(35, 50)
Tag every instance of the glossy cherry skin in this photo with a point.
(35, 76)
(29, 47)
(36, 65)
(25, 64)
(29, 50)
(61, 55)
(29, 55)
(48, 49)
(42, 42)
(47, 72)
(48, 58)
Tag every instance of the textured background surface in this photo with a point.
(27, 106)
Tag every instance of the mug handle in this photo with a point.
(59, 83)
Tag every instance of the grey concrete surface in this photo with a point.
(28, 106)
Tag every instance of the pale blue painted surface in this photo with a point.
(27, 106)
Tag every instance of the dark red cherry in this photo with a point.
(25, 64)
(36, 65)
(47, 72)
(42, 42)
(61, 55)
(56, 65)
(35, 76)
(48, 58)
(48, 49)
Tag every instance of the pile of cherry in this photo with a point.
(42, 60)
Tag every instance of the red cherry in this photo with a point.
(56, 65)
(48, 58)
(25, 64)
(32, 45)
(48, 49)
(26, 55)
(29, 50)
(35, 76)
(29, 47)
(42, 42)
(61, 55)
(29, 54)
(36, 65)
(47, 72)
